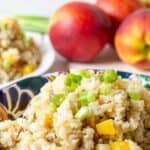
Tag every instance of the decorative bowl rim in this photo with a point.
(30, 86)
(32, 76)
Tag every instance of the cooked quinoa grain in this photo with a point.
(71, 113)
(19, 55)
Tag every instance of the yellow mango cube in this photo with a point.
(28, 68)
(48, 121)
(119, 145)
(11, 59)
(106, 128)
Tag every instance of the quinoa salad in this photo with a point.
(19, 55)
(83, 110)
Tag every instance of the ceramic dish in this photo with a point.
(15, 98)
(47, 57)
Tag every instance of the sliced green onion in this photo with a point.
(58, 99)
(105, 88)
(26, 41)
(101, 77)
(86, 97)
(72, 81)
(23, 38)
(34, 26)
(110, 76)
(6, 65)
(83, 113)
(5, 25)
(53, 107)
(85, 73)
(33, 23)
(31, 17)
(134, 96)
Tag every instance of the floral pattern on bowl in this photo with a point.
(15, 98)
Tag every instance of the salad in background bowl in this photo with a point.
(21, 54)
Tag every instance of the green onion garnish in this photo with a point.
(85, 73)
(110, 76)
(134, 96)
(83, 113)
(58, 99)
(101, 77)
(33, 23)
(105, 88)
(53, 107)
(5, 25)
(86, 97)
(6, 65)
(32, 18)
(72, 81)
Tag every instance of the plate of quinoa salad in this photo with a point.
(79, 110)
(20, 53)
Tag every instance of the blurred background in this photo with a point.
(36, 7)
(46, 8)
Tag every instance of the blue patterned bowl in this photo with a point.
(15, 98)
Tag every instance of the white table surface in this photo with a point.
(107, 59)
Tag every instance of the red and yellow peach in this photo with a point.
(117, 11)
(79, 31)
(132, 39)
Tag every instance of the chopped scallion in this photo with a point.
(105, 88)
(58, 99)
(101, 77)
(134, 96)
(72, 81)
(86, 97)
(85, 73)
(6, 65)
(83, 113)
(110, 76)
(53, 107)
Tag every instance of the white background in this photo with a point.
(38, 7)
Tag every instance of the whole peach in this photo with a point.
(79, 31)
(118, 10)
(132, 39)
